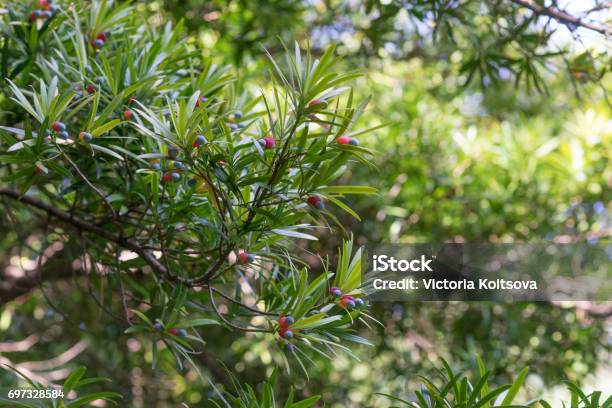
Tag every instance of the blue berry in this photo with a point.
(176, 176)
(350, 304)
(157, 327)
(289, 320)
(288, 334)
(233, 126)
(64, 135)
(290, 346)
(156, 166)
(319, 206)
(353, 142)
(182, 333)
(192, 182)
(251, 257)
(173, 152)
(237, 114)
(98, 43)
(359, 304)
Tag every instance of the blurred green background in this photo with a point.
(481, 155)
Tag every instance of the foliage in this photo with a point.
(487, 41)
(456, 390)
(133, 262)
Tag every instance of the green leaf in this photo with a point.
(516, 386)
(73, 379)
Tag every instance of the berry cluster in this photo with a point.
(157, 327)
(284, 323)
(46, 10)
(171, 167)
(347, 302)
(59, 129)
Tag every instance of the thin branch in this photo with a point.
(231, 299)
(92, 228)
(247, 329)
(563, 17)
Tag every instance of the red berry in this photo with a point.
(167, 177)
(173, 331)
(269, 142)
(43, 3)
(33, 16)
(101, 36)
(58, 126)
(243, 257)
(313, 200)
(128, 114)
(90, 89)
(343, 140)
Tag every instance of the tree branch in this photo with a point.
(69, 219)
(11, 287)
(563, 17)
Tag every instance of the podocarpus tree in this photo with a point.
(133, 163)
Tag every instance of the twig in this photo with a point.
(247, 329)
(563, 17)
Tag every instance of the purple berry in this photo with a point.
(288, 334)
(157, 327)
